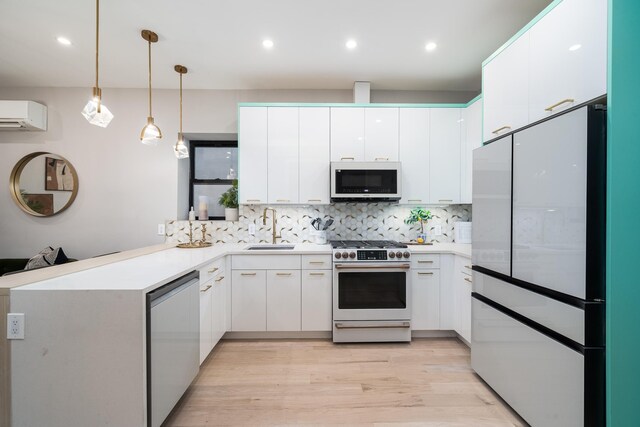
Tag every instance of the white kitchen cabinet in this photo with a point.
(317, 300)
(249, 300)
(381, 134)
(347, 134)
(447, 292)
(414, 154)
(219, 317)
(283, 300)
(425, 294)
(505, 92)
(252, 158)
(462, 297)
(206, 315)
(282, 155)
(471, 139)
(444, 155)
(314, 150)
(568, 57)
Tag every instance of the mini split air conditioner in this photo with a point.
(22, 115)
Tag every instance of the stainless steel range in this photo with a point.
(371, 291)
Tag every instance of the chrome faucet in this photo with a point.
(274, 233)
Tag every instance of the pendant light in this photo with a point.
(151, 133)
(181, 150)
(95, 112)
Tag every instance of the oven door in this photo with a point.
(365, 180)
(370, 291)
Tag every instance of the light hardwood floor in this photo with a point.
(427, 382)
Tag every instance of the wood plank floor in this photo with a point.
(315, 382)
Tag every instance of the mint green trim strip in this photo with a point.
(524, 29)
(347, 105)
(477, 98)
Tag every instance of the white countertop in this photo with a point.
(147, 272)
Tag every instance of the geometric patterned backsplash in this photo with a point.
(352, 221)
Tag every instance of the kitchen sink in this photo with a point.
(270, 248)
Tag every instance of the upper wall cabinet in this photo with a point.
(347, 134)
(444, 158)
(568, 57)
(414, 154)
(282, 155)
(506, 90)
(471, 139)
(314, 155)
(381, 134)
(252, 161)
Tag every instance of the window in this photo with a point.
(213, 167)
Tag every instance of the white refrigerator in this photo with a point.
(538, 256)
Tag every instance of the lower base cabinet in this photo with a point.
(206, 319)
(425, 309)
(317, 302)
(462, 284)
(249, 300)
(283, 300)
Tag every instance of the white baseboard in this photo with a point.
(261, 335)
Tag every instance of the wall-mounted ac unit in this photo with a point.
(22, 115)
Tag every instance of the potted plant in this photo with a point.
(229, 199)
(422, 216)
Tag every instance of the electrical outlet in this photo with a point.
(252, 229)
(161, 230)
(15, 326)
(437, 230)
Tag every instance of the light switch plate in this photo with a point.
(161, 230)
(15, 326)
(437, 230)
(252, 229)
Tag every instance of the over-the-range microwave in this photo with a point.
(366, 181)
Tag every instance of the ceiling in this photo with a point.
(220, 42)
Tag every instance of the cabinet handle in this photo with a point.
(213, 270)
(254, 200)
(220, 279)
(468, 280)
(445, 200)
(283, 201)
(557, 104)
(497, 131)
(316, 262)
(381, 158)
(316, 274)
(247, 274)
(283, 274)
(422, 273)
(420, 261)
(205, 289)
(467, 266)
(314, 200)
(347, 158)
(415, 200)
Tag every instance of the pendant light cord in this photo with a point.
(150, 114)
(98, 94)
(180, 106)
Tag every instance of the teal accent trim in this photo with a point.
(623, 202)
(477, 98)
(524, 29)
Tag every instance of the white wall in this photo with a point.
(126, 188)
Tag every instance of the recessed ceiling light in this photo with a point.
(268, 44)
(575, 47)
(351, 44)
(63, 40)
(431, 46)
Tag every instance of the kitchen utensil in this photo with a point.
(327, 224)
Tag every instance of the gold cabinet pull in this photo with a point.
(445, 200)
(247, 274)
(381, 159)
(422, 261)
(497, 131)
(557, 104)
(316, 262)
(213, 270)
(220, 279)
(316, 274)
(415, 200)
(347, 158)
(205, 289)
(425, 273)
(254, 200)
(283, 200)
(468, 280)
(283, 274)
(314, 200)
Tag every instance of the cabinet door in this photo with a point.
(283, 300)
(447, 292)
(505, 92)
(462, 297)
(206, 313)
(347, 134)
(252, 156)
(425, 294)
(414, 154)
(568, 57)
(471, 139)
(316, 300)
(220, 285)
(314, 149)
(444, 159)
(249, 300)
(381, 134)
(282, 150)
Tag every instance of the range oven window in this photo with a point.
(356, 181)
(365, 291)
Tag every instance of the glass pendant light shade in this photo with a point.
(151, 134)
(180, 149)
(96, 113)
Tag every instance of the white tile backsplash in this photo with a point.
(352, 221)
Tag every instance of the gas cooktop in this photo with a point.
(366, 244)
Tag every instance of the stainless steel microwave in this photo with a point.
(366, 181)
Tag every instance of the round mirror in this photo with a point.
(43, 184)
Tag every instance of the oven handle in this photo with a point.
(371, 267)
(401, 325)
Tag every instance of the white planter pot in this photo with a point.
(231, 214)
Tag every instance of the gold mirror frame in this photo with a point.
(14, 183)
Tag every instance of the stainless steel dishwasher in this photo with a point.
(173, 344)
